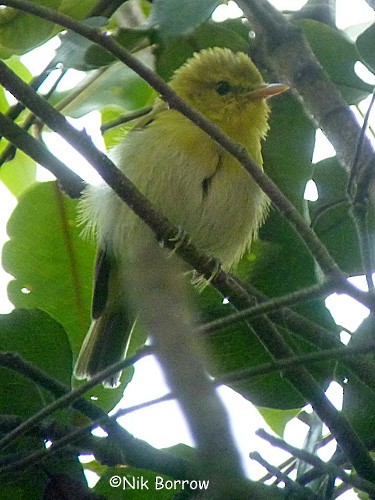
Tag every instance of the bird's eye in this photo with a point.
(223, 88)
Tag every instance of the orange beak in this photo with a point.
(267, 90)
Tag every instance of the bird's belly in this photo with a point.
(197, 187)
(232, 210)
(220, 206)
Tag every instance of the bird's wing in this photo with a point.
(101, 283)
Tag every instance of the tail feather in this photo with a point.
(105, 343)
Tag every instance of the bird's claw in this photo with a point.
(180, 239)
(200, 281)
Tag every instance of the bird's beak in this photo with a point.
(267, 90)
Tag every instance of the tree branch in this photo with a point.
(70, 182)
(328, 468)
(285, 364)
(133, 451)
(269, 306)
(292, 487)
(294, 62)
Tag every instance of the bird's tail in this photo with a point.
(105, 343)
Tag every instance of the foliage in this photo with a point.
(51, 263)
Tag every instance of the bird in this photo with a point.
(189, 178)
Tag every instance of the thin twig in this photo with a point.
(68, 398)
(33, 458)
(358, 190)
(295, 488)
(133, 451)
(328, 468)
(121, 120)
(354, 172)
(271, 305)
(285, 364)
(359, 215)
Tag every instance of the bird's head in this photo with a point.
(227, 88)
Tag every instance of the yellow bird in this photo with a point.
(189, 178)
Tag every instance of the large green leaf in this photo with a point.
(77, 10)
(52, 266)
(278, 263)
(39, 339)
(288, 163)
(51, 263)
(21, 32)
(238, 347)
(18, 174)
(365, 45)
(116, 87)
(172, 52)
(359, 401)
(173, 17)
(338, 55)
(331, 218)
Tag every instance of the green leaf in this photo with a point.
(21, 32)
(237, 347)
(64, 473)
(288, 149)
(19, 173)
(129, 38)
(52, 266)
(172, 52)
(331, 218)
(359, 402)
(338, 55)
(116, 87)
(73, 48)
(277, 419)
(19, 68)
(51, 263)
(288, 163)
(30, 485)
(111, 137)
(173, 17)
(365, 45)
(77, 10)
(40, 340)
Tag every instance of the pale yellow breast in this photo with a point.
(192, 181)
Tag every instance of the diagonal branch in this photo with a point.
(70, 182)
(292, 59)
(134, 451)
(327, 467)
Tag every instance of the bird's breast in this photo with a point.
(194, 183)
